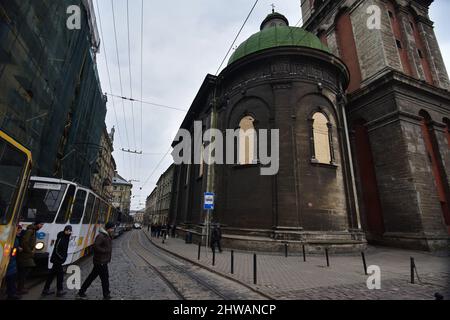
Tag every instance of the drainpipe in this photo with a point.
(342, 103)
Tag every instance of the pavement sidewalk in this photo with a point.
(292, 278)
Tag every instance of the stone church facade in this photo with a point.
(364, 133)
(398, 107)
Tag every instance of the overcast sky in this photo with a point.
(183, 41)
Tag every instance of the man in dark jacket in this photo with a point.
(11, 271)
(59, 256)
(216, 237)
(25, 258)
(102, 257)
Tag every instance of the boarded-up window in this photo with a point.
(321, 137)
(247, 141)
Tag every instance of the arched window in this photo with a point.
(202, 161)
(437, 166)
(399, 38)
(247, 141)
(421, 49)
(321, 139)
(447, 122)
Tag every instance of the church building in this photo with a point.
(363, 122)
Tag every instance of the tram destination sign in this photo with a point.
(209, 201)
(47, 186)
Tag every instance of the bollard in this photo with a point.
(255, 270)
(214, 256)
(286, 250)
(232, 262)
(413, 266)
(327, 256)
(364, 262)
(304, 254)
(438, 296)
(199, 249)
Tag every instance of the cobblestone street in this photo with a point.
(137, 274)
(291, 278)
(144, 270)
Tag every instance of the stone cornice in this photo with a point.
(390, 77)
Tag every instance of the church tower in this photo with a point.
(398, 109)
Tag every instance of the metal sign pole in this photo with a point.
(208, 213)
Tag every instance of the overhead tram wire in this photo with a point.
(142, 88)
(302, 2)
(156, 168)
(300, 21)
(131, 86)
(223, 61)
(120, 76)
(142, 84)
(149, 103)
(109, 74)
(237, 36)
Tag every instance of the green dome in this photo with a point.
(279, 36)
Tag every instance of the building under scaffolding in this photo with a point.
(50, 94)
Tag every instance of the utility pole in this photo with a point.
(210, 186)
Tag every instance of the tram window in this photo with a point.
(78, 207)
(102, 217)
(42, 202)
(95, 214)
(12, 164)
(64, 212)
(88, 211)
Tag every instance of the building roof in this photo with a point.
(277, 36)
(272, 16)
(119, 180)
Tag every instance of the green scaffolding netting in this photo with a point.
(50, 96)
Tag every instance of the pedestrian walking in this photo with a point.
(102, 257)
(11, 271)
(158, 231)
(216, 238)
(174, 231)
(58, 258)
(25, 258)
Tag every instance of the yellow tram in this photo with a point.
(15, 169)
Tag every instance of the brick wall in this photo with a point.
(377, 49)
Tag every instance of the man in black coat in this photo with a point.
(58, 258)
(102, 257)
(216, 237)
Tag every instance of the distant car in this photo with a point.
(137, 226)
(118, 231)
(127, 227)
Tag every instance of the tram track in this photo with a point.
(168, 283)
(182, 282)
(189, 282)
(182, 269)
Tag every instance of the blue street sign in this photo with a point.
(40, 235)
(209, 201)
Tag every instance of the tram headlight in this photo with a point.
(39, 246)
